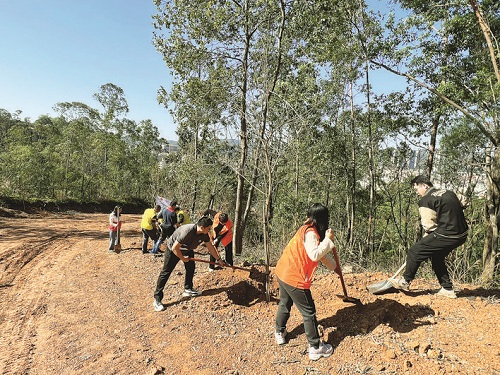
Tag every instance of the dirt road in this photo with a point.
(68, 306)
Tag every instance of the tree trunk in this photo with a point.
(352, 180)
(490, 248)
(371, 166)
(432, 146)
(195, 182)
(240, 189)
(486, 32)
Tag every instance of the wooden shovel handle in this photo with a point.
(339, 270)
(217, 264)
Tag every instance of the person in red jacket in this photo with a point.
(295, 270)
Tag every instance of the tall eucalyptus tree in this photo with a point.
(236, 49)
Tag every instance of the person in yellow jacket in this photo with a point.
(148, 227)
(183, 217)
(295, 270)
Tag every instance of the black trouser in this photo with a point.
(146, 235)
(166, 232)
(169, 262)
(305, 304)
(436, 248)
(228, 257)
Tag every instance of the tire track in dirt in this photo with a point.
(14, 260)
(23, 300)
(94, 323)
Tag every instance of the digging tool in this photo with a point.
(385, 285)
(218, 264)
(118, 246)
(344, 297)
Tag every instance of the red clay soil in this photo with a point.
(69, 306)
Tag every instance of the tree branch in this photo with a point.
(478, 122)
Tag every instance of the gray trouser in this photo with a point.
(305, 304)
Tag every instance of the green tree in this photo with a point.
(469, 83)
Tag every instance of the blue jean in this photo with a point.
(112, 239)
(305, 304)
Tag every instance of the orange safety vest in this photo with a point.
(227, 230)
(294, 267)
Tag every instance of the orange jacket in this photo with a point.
(294, 267)
(226, 231)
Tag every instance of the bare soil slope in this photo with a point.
(68, 306)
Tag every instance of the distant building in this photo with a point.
(171, 146)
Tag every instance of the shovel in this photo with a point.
(385, 285)
(344, 297)
(217, 264)
(118, 246)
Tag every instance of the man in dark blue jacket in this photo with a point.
(443, 220)
(168, 225)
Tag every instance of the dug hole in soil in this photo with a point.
(69, 306)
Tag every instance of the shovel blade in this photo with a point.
(384, 286)
(349, 299)
(380, 287)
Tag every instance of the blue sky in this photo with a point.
(63, 50)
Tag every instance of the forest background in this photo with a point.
(275, 111)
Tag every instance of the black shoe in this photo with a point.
(145, 252)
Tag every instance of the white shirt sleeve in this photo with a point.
(314, 250)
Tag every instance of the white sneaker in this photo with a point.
(280, 337)
(400, 283)
(324, 350)
(446, 293)
(191, 293)
(158, 306)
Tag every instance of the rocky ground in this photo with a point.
(68, 306)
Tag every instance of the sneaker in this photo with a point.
(211, 270)
(446, 293)
(324, 350)
(280, 337)
(191, 293)
(157, 255)
(158, 306)
(400, 283)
